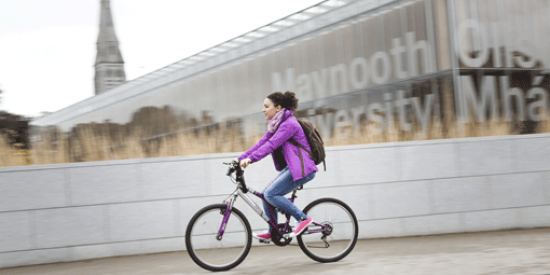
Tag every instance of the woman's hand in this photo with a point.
(245, 162)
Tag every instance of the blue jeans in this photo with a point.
(274, 195)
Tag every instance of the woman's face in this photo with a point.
(269, 110)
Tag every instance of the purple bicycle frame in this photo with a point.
(261, 213)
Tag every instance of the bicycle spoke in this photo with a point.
(340, 233)
(209, 252)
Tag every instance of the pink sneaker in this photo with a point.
(300, 227)
(266, 236)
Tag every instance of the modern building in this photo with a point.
(357, 66)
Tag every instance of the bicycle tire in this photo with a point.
(345, 232)
(203, 243)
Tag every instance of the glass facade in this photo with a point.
(502, 65)
(394, 67)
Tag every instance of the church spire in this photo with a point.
(109, 65)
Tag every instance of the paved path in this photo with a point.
(502, 252)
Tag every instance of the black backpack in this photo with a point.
(315, 141)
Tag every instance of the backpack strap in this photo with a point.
(293, 141)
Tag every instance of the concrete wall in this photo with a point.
(56, 213)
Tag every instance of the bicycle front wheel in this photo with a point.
(334, 244)
(204, 246)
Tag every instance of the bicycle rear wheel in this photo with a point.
(204, 247)
(335, 244)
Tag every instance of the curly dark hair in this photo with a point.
(287, 100)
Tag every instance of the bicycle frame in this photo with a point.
(239, 193)
(254, 206)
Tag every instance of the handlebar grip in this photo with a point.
(230, 171)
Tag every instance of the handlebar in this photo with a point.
(235, 167)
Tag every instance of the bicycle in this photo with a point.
(218, 237)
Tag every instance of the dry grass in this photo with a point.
(10, 156)
(93, 147)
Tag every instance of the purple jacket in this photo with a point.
(298, 161)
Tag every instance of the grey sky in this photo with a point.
(47, 47)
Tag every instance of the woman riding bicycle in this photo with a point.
(294, 164)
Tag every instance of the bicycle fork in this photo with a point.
(224, 221)
(229, 207)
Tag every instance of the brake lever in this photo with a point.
(233, 167)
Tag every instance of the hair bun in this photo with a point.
(287, 100)
(290, 95)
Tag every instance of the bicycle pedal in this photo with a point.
(265, 241)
